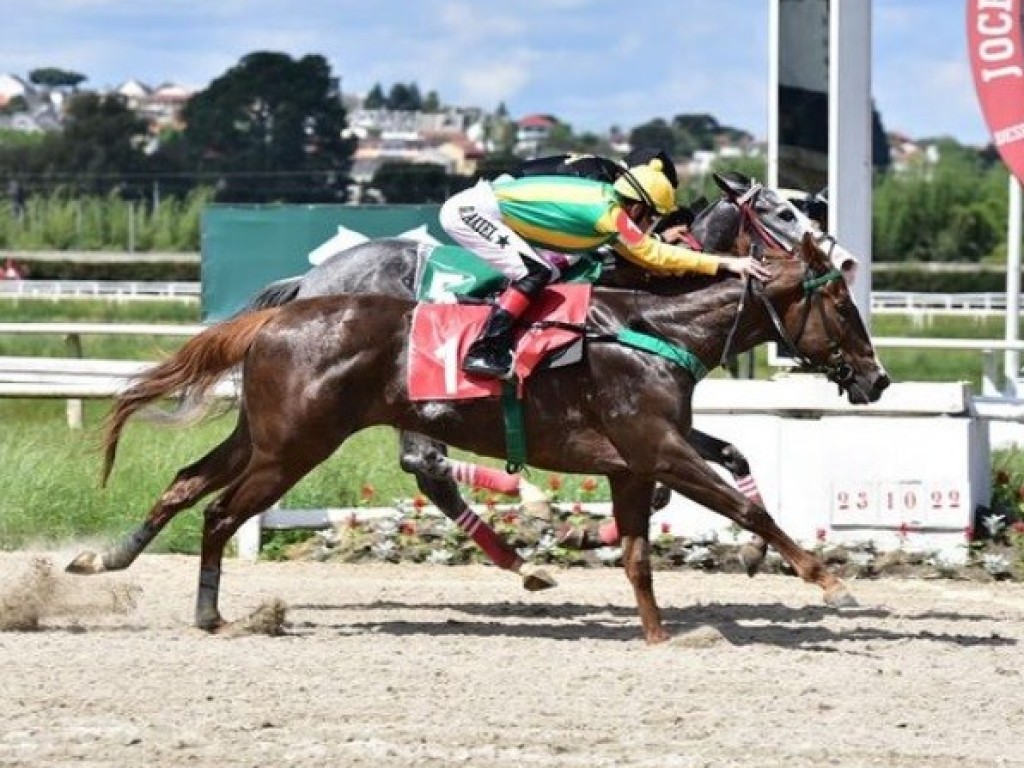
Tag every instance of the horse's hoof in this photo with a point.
(86, 563)
(215, 626)
(840, 597)
(536, 579)
(657, 637)
(751, 558)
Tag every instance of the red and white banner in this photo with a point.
(994, 32)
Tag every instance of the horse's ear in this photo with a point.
(732, 184)
(812, 255)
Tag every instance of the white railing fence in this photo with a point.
(777, 409)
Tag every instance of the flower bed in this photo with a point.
(419, 534)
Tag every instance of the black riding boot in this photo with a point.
(490, 355)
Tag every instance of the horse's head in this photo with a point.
(773, 220)
(818, 323)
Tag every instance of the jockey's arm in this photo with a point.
(658, 257)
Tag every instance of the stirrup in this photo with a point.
(481, 368)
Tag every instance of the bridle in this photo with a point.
(835, 368)
(751, 221)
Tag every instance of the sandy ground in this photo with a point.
(457, 666)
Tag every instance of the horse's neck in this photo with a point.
(716, 312)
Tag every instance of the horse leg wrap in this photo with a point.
(207, 615)
(608, 533)
(475, 476)
(748, 487)
(124, 553)
(484, 536)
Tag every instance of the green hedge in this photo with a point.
(138, 271)
(927, 279)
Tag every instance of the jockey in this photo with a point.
(532, 228)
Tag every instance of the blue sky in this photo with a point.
(592, 63)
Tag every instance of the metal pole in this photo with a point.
(849, 138)
(1011, 358)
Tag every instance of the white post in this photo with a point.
(1011, 358)
(849, 138)
(248, 538)
(772, 171)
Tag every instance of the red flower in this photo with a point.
(577, 508)
(555, 483)
(418, 501)
(588, 484)
(821, 534)
(1002, 477)
(510, 517)
(666, 528)
(969, 533)
(1018, 527)
(407, 527)
(367, 492)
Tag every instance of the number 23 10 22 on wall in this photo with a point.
(893, 504)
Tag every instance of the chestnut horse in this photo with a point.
(317, 371)
(390, 267)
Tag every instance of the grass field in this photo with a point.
(50, 473)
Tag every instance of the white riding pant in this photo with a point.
(473, 220)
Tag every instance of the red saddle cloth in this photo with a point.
(441, 334)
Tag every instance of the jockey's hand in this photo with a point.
(744, 266)
(674, 234)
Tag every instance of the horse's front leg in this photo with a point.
(728, 456)
(631, 506)
(427, 461)
(681, 468)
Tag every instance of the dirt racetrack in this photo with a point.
(393, 665)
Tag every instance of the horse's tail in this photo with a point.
(196, 367)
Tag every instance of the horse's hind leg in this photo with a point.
(265, 479)
(426, 460)
(210, 473)
(753, 552)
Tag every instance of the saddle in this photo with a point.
(453, 285)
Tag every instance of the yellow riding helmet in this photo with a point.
(648, 185)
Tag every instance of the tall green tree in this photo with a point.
(52, 77)
(271, 126)
(403, 182)
(375, 98)
(101, 143)
(655, 134)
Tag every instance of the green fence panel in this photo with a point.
(246, 247)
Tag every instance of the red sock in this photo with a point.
(484, 477)
(501, 554)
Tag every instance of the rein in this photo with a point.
(836, 370)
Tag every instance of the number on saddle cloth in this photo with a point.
(448, 272)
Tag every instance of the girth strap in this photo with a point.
(515, 431)
(681, 356)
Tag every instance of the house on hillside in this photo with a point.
(135, 93)
(13, 87)
(531, 133)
